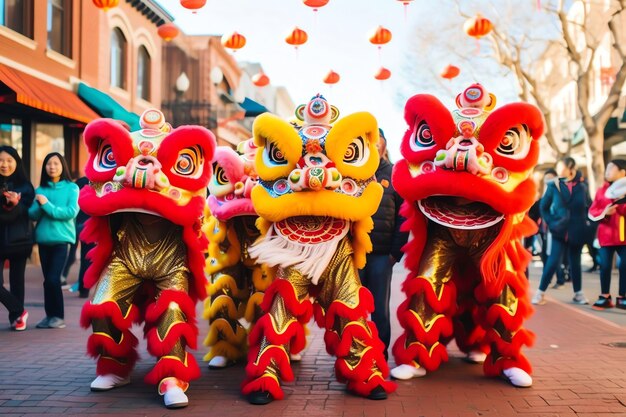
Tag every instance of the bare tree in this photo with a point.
(582, 57)
(515, 48)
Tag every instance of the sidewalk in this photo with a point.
(579, 361)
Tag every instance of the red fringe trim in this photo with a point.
(108, 310)
(264, 383)
(301, 310)
(197, 245)
(293, 336)
(361, 310)
(360, 379)
(408, 320)
(495, 369)
(162, 303)
(169, 366)
(97, 231)
(430, 360)
(258, 365)
(98, 344)
(416, 285)
(111, 366)
(163, 347)
(504, 348)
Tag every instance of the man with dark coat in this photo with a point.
(387, 242)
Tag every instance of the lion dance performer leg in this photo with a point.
(466, 182)
(146, 197)
(315, 196)
(237, 281)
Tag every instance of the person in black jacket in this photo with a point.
(564, 209)
(16, 240)
(387, 242)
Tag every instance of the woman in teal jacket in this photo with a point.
(54, 210)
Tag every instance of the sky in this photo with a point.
(339, 40)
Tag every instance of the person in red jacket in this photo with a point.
(611, 235)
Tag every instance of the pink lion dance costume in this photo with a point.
(465, 180)
(146, 198)
(237, 281)
(315, 197)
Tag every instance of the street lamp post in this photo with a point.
(181, 87)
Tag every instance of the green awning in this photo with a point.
(106, 106)
(252, 108)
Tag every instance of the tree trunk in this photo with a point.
(594, 150)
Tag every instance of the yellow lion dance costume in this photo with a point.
(315, 198)
(237, 282)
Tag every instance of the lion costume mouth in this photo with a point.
(458, 213)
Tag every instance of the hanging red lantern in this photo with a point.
(450, 72)
(477, 26)
(332, 77)
(315, 4)
(105, 4)
(193, 5)
(260, 79)
(168, 31)
(234, 41)
(405, 2)
(297, 37)
(382, 74)
(380, 36)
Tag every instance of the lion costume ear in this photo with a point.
(300, 112)
(334, 113)
(491, 104)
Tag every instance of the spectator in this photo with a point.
(16, 240)
(387, 241)
(54, 210)
(564, 209)
(611, 232)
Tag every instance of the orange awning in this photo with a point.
(33, 92)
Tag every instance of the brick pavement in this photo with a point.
(578, 371)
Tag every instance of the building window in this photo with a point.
(17, 15)
(118, 59)
(60, 26)
(143, 74)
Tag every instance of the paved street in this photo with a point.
(579, 363)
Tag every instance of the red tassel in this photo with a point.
(169, 366)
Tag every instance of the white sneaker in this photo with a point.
(108, 381)
(538, 298)
(174, 397)
(218, 362)
(579, 298)
(295, 357)
(518, 377)
(476, 356)
(407, 372)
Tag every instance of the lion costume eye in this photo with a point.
(189, 162)
(357, 152)
(273, 155)
(422, 137)
(104, 160)
(514, 142)
(219, 174)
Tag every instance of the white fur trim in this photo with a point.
(311, 259)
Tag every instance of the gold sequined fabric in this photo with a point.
(137, 259)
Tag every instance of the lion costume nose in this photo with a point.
(464, 153)
(142, 171)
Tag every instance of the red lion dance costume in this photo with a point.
(315, 197)
(237, 281)
(465, 180)
(146, 198)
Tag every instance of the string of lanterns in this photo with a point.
(476, 27)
